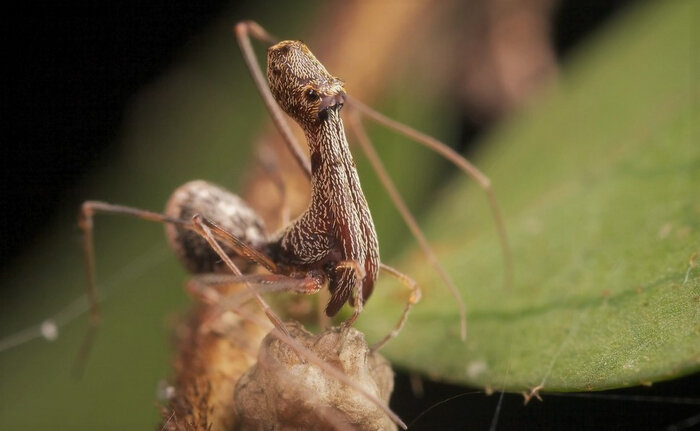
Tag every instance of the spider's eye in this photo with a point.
(312, 95)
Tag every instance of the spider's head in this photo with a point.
(300, 84)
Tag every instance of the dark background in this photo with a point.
(71, 70)
(69, 74)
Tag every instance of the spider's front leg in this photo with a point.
(225, 216)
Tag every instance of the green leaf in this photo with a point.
(596, 186)
(600, 187)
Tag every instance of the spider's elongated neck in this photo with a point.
(332, 166)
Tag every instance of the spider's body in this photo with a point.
(333, 242)
(337, 226)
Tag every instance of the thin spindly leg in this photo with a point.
(356, 126)
(85, 221)
(238, 245)
(204, 286)
(413, 299)
(243, 31)
(208, 288)
(357, 287)
(206, 229)
(460, 162)
(90, 208)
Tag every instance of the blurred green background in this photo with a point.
(201, 118)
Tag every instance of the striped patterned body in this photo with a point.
(337, 227)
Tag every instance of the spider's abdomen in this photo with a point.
(225, 209)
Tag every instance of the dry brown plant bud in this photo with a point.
(284, 392)
(214, 349)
